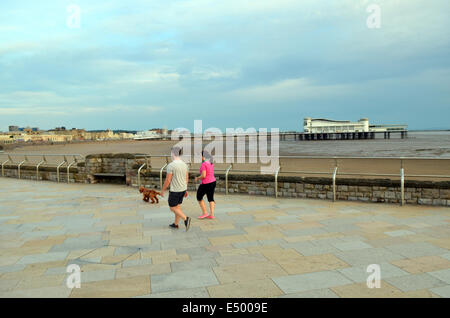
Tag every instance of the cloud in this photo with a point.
(295, 89)
(231, 58)
(40, 103)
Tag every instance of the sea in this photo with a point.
(417, 144)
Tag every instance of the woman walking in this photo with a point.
(207, 186)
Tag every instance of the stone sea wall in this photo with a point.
(123, 169)
(383, 191)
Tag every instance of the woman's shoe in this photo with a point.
(210, 217)
(203, 216)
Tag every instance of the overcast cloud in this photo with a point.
(143, 64)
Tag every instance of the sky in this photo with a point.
(142, 64)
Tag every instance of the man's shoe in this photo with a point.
(173, 225)
(187, 223)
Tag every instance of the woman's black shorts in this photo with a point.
(207, 189)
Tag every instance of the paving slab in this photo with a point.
(117, 288)
(317, 293)
(442, 291)
(443, 275)
(193, 264)
(423, 264)
(200, 292)
(201, 277)
(350, 246)
(416, 249)
(359, 274)
(248, 272)
(142, 270)
(415, 282)
(41, 258)
(360, 290)
(263, 288)
(399, 233)
(43, 292)
(310, 281)
(369, 256)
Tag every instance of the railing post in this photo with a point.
(402, 183)
(334, 183)
(402, 186)
(139, 174)
(18, 167)
(148, 160)
(37, 167)
(276, 181)
(57, 169)
(68, 172)
(226, 178)
(160, 175)
(3, 164)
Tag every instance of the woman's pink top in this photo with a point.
(206, 165)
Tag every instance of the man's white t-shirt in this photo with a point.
(179, 170)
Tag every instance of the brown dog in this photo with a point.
(149, 194)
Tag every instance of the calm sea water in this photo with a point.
(418, 144)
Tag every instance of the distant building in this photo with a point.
(7, 139)
(13, 128)
(149, 134)
(322, 125)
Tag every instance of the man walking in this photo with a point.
(177, 177)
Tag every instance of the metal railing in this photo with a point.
(68, 159)
(333, 173)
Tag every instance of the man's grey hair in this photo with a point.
(176, 151)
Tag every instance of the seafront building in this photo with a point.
(58, 134)
(157, 133)
(323, 125)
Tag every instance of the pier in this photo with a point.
(344, 135)
(302, 136)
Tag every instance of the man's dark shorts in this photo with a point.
(175, 198)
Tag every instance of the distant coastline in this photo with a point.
(427, 130)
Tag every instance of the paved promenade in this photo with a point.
(256, 247)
